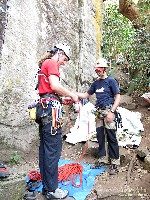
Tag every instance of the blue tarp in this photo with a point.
(88, 177)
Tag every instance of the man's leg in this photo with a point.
(113, 147)
(102, 159)
(52, 152)
(101, 141)
(41, 155)
(113, 151)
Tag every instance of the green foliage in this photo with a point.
(139, 53)
(118, 32)
(15, 158)
(120, 36)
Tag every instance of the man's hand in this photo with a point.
(110, 117)
(70, 100)
(74, 97)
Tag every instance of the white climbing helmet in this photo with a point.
(65, 48)
(102, 62)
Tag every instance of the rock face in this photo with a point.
(28, 30)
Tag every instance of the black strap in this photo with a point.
(50, 95)
(39, 74)
(118, 119)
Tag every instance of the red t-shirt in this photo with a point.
(49, 67)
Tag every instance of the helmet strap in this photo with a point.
(60, 53)
(104, 70)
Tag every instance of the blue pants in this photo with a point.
(49, 153)
(113, 148)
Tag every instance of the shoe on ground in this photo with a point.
(148, 109)
(4, 173)
(58, 194)
(98, 165)
(113, 170)
(32, 184)
(29, 195)
(2, 165)
(43, 191)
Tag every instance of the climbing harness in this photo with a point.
(51, 112)
(101, 113)
(48, 109)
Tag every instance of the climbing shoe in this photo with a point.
(32, 184)
(58, 194)
(4, 173)
(43, 191)
(113, 170)
(98, 165)
(29, 195)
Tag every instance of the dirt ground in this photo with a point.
(135, 185)
(132, 181)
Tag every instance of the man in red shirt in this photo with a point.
(49, 118)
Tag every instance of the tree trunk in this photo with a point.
(129, 10)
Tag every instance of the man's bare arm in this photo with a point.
(83, 95)
(59, 89)
(116, 102)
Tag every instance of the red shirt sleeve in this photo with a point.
(50, 67)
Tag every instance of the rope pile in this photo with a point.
(34, 175)
(69, 173)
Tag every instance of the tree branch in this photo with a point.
(130, 167)
(130, 11)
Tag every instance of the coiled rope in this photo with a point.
(34, 175)
(68, 173)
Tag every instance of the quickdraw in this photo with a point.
(57, 121)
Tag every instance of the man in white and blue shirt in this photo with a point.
(107, 100)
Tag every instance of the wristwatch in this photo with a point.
(112, 111)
